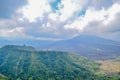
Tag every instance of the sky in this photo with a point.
(59, 19)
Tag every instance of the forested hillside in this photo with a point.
(2, 77)
(25, 63)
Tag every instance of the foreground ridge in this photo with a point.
(26, 63)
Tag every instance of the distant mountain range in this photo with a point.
(89, 46)
(28, 42)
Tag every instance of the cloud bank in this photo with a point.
(59, 19)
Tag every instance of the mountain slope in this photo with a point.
(90, 46)
(2, 77)
(21, 62)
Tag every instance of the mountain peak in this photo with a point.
(91, 38)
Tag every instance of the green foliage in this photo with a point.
(2, 77)
(22, 63)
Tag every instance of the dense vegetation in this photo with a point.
(2, 77)
(25, 63)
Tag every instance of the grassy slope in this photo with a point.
(111, 67)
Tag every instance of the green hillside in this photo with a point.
(2, 77)
(25, 63)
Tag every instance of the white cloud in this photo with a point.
(93, 15)
(68, 9)
(64, 22)
(81, 22)
(14, 32)
(112, 13)
(7, 22)
(36, 9)
(53, 16)
(77, 24)
(98, 4)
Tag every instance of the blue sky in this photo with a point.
(59, 19)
